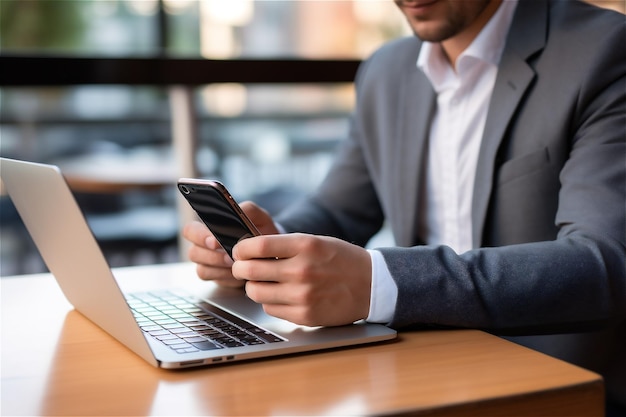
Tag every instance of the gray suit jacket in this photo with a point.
(550, 196)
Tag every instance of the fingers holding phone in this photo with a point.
(260, 217)
(212, 261)
(306, 279)
(225, 225)
(218, 210)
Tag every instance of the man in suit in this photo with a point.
(493, 145)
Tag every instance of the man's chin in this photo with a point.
(431, 31)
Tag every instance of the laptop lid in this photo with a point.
(56, 224)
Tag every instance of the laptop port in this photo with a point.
(191, 363)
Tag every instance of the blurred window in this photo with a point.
(208, 28)
(50, 122)
(102, 27)
(263, 137)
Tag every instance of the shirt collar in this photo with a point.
(487, 46)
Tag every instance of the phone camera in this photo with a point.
(184, 189)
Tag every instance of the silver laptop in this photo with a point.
(169, 328)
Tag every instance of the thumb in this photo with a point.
(260, 217)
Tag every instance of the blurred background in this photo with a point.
(119, 143)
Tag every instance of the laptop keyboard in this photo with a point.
(188, 325)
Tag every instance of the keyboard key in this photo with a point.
(156, 333)
(150, 328)
(231, 343)
(174, 341)
(179, 330)
(194, 339)
(167, 337)
(174, 326)
(187, 334)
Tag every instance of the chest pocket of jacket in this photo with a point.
(524, 165)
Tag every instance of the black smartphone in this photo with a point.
(217, 208)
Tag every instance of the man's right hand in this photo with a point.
(212, 262)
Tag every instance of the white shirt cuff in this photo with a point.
(384, 292)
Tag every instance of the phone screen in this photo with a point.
(219, 211)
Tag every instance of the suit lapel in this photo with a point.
(527, 36)
(419, 105)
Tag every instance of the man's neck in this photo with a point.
(453, 47)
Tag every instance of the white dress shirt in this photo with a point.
(463, 95)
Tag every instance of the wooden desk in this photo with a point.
(56, 362)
